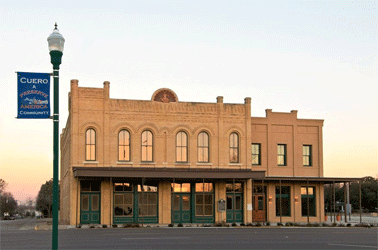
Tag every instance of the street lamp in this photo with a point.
(56, 45)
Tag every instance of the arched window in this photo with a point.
(234, 147)
(90, 145)
(124, 145)
(203, 147)
(181, 147)
(147, 145)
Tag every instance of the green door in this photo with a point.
(90, 208)
(181, 208)
(234, 205)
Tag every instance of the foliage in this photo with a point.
(45, 199)
(369, 192)
(7, 202)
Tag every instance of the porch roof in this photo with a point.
(324, 180)
(167, 173)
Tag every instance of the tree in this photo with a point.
(44, 199)
(369, 192)
(7, 202)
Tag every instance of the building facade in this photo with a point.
(164, 161)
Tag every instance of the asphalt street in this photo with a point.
(191, 238)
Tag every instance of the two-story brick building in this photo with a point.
(165, 161)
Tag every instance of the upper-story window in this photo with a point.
(256, 154)
(281, 154)
(234, 148)
(124, 145)
(181, 147)
(307, 157)
(147, 145)
(203, 147)
(90, 145)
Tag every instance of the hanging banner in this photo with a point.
(33, 95)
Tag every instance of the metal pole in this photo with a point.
(56, 57)
(345, 203)
(348, 200)
(334, 202)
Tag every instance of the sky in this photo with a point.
(317, 57)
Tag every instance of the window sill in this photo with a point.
(147, 163)
(125, 163)
(90, 162)
(204, 164)
(182, 163)
(235, 164)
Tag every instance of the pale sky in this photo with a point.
(317, 57)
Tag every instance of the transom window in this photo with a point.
(307, 161)
(234, 148)
(256, 154)
(147, 145)
(181, 187)
(204, 187)
(234, 187)
(281, 154)
(90, 145)
(181, 147)
(124, 145)
(203, 147)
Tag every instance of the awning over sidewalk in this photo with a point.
(167, 173)
(324, 180)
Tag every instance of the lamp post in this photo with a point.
(56, 45)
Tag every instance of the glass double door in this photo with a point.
(234, 207)
(90, 208)
(181, 208)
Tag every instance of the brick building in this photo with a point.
(165, 161)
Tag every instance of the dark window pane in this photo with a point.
(118, 210)
(208, 199)
(185, 202)
(199, 210)
(128, 198)
(152, 210)
(208, 210)
(229, 202)
(199, 199)
(176, 203)
(118, 199)
(128, 210)
(260, 201)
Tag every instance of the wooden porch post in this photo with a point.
(280, 203)
(308, 204)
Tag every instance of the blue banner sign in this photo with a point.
(33, 95)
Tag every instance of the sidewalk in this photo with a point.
(355, 218)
